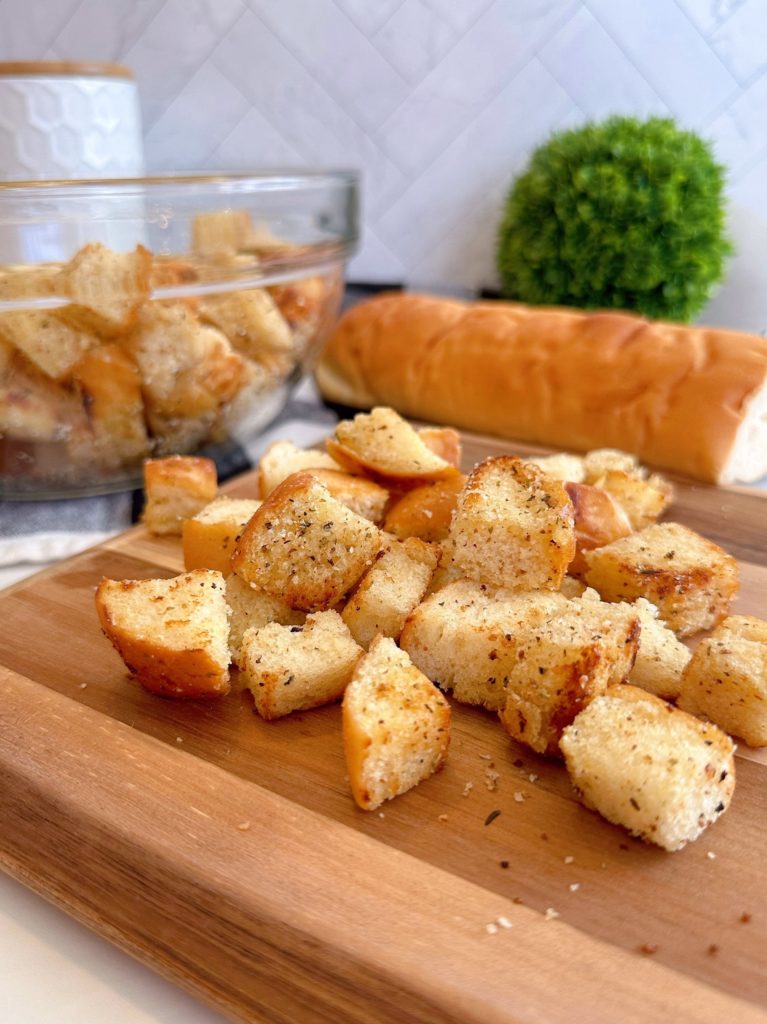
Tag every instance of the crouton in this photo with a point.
(46, 338)
(661, 658)
(513, 527)
(643, 500)
(645, 765)
(251, 608)
(37, 409)
(172, 634)
(690, 579)
(443, 441)
(599, 519)
(572, 587)
(425, 512)
(604, 460)
(110, 386)
(390, 590)
(220, 233)
(282, 459)
(209, 536)
(305, 547)
(29, 282)
(253, 324)
(726, 680)
(383, 446)
(293, 668)
(175, 489)
(447, 571)
(396, 726)
(567, 468)
(362, 496)
(106, 287)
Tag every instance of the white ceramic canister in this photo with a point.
(62, 121)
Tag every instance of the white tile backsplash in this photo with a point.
(438, 102)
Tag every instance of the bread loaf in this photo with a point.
(690, 399)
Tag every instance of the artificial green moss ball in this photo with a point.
(624, 214)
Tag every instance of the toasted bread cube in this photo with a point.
(175, 489)
(690, 579)
(251, 608)
(425, 512)
(562, 665)
(209, 536)
(661, 658)
(383, 446)
(513, 527)
(446, 571)
(644, 765)
(643, 500)
(604, 460)
(221, 232)
(726, 680)
(29, 282)
(294, 668)
(443, 441)
(396, 726)
(35, 408)
(282, 459)
(252, 322)
(599, 519)
(110, 386)
(305, 547)
(46, 338)
(564, 467)
(362, 496)
(106, 287)
(172, 634)
(390, 590)
(170, 271)
(465, 637)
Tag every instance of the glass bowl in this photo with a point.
(154, 316)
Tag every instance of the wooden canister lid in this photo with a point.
(75, 68)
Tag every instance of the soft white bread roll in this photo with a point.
(691, 399)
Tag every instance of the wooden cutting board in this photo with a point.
(226, 852)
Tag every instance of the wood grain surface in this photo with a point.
(227, 853)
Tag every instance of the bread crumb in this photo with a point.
(569, 860)
(711, 855)
(533, 777)
(491, 928)
(551, 913)
(486, 757)
(83, 686)
(574, 886)
(179, 739)
(244, 826)
(491, 779)
(520, 797)
(504, 922)
(381, 814)
(442, 817)
(467, 788)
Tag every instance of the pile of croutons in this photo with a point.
(542, 590)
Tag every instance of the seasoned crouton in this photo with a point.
(383, 446)
(34, 408)
(425, 512)
(396, 726)
(253, 324)
(176, 488)
(251, 608)
(282, 459)
(661, 658)
(726, 680)
(447, 571)
(23, 281)
(47, 338)
(172, 634)
(604, 460)
(645, 765)
(293, 668)
(305, 547)
(106, 287)
(221, 233)
(567, 468)
(599, 519)
(362, 496)
(390, 590)
(208, 537)
(561, 666)
(443, 441)
(513, 527)
(643, 500)
(690, 579)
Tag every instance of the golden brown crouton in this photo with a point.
(172, 634)
(643, 500)
(305, 547)
(396, 726)
(106, 287)
(253, 324)
(726, 680)
(383, 446)
(425, 512)
(599, 519)
(443, 441)
(362, 496)
(220, 233)
(691, 580)
(208, 537)
(390, 590)
(605, 460)
(513, 527)
(251, 608)
(24, 281)
(645, 765)
(175, 489)
(661, 658)
(45, 337)
(567, 468)
(293, 668)
(282, 459)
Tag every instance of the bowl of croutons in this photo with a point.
(157, 316)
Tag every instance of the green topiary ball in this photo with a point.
(624, 214)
